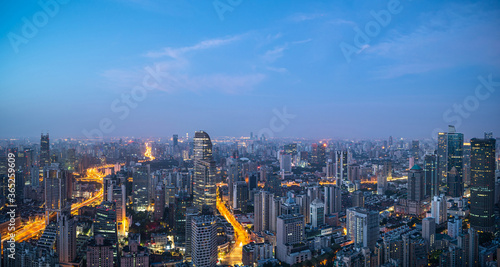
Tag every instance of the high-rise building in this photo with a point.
(415, 150)
(438, 209)
(317, 213)
(416, 186)
(44, 151)
(454, 226)
(429, 231)
(191, 212)
(159, 202)
(240, 197)
(175, 140)
(341, 163)
(204, 241)
(291, 232)
(333, 199)
(204, 172)
(182, 201)
(99, 252)
(66, 239)
(442, 154)
(55, 190)
(286, 162)
(455, 163)
(263, 203)
(431, 175)
(362, 226)
(140, 185)
(105, 224)
(118, 196)
(482, 184)
(358, 199)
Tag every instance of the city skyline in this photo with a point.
(230, 72)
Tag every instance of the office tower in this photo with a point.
(234, 174)
(99, 252)
(482, 184)
(321, 154)
(55, 190)
(466, 167)
(290, 206)
(134, 255)
(454, 226)
(262, 211)
(333, 199)
(204, 172)
(159, 202)
(44, 151)
(416, 186)
(415, 150)
(141, 180)
(286, 162)
(442, 154)
(291, 231)
(204, 241)
(362, 226)
(240, 197)
(358, 199)
(330, 169)
(118, 197)
(105, 224)
(341, 158)
(317, 213)
(191, 212)
(252, 181)
(66, 239)
(455, 163)
(438, 209)
(429, 231)
(175, 140)
(354, 173)
(431, 175)
(180, 208)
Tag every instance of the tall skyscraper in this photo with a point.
(429, 231)
(431, 175)
(341, 163)
(240, 196)
(363, 226)
(55, 190)
(439, 209)
(66, 239)
(204, 241)
(442, 153)
(105, 224)
(118, 196)
(175, 139)
(415, 150)
(482, 184)
(262, 211)
(317, 213)
(204, 172)
(159, 208)
(44, 151)
(333, 199)
(141, 180)
(416, 186)
(455, 163)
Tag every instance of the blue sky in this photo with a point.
(227, 75)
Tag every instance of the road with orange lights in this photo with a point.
(242, 236)
(36, 226)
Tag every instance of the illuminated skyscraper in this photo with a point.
(55, 190)
(482, 184)
(442, 153)
(362, 226)
(141, 181)
(44, 154)
(431, 175)
(333, 199)
(204, 172)
(66, 239)
(455, 163)
(105, 224)
(415, 149)
(204, 241)
(416, 186)
(341, 166)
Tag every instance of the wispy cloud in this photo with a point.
(273, 54)
(305, 17)
(177, 52)
(176, 71)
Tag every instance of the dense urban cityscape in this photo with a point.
(193, 200)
